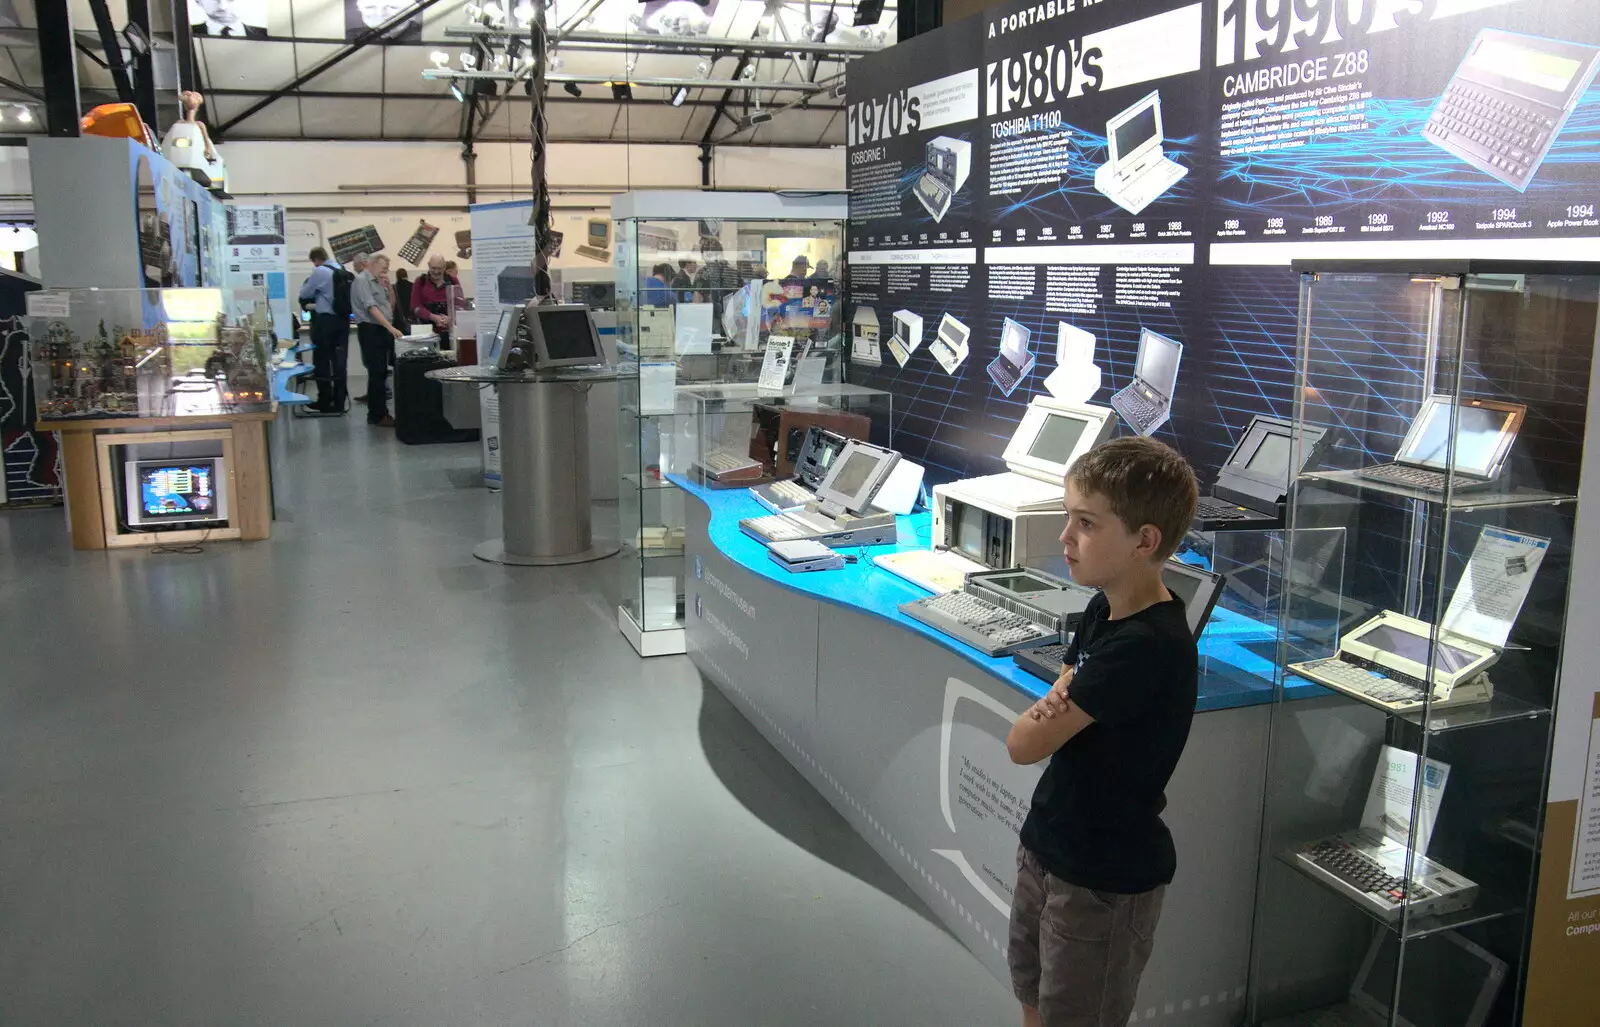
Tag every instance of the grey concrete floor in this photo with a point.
(353, 776)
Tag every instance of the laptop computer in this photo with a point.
(1253, 485)
(1384, 663)
(1509, 100)
(949, 346)
(1448, 980)
(1137, 169)
(1146, 403)
(1051, 436)
(1015, 361)
(817, 454)
(1484, 433)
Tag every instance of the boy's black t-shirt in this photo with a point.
(1096, 816)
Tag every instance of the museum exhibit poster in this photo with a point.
(256, 256)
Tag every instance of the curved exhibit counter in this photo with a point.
(903, 730)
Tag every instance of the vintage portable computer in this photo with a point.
(949, 346)
(1253, 485)
(1484, 434)
(657, 331)
(865, 338)
(998, 612)
(817, 455)
(992, 533)
(504, 338)
(1196, 586)
(175, 491)
(562, 335)
(842, 514)
(1077, 378)
(907, 335)
(949, 164)
(1146, 403)
(1137, 169)
(1384, 663)
(1509, 100)
(779, 432)
(1051, 436)
(1015, 360)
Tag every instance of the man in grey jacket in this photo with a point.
(373, 305)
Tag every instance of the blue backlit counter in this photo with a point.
(902, 729)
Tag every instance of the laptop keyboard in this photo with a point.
(1356, 868)
(777, 528)
(1212, 509)
(1378, 687)
(1133, 406)
(1497, 128)
(1005, 374)
(792, 492)
(1405, 474)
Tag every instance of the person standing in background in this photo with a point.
(656, 291)
(402, 299)
(370, 297)
(330, 336)
(430, 299)
(683, 282)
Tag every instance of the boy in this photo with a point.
(1095, 857)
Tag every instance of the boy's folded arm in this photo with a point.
(1035, 738)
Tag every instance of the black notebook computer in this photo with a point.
(1253, 485)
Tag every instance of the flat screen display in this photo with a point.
(1014, 341)
(1057, 439)
(1020, 584)
(499, 341)
(953, 332)
(854, 474)
(567, 335)
(1525, 64)
(178, 491)
(1136, 131)
(1158, 362)
(1478, 436)
(1271, 458)
(1404, 644)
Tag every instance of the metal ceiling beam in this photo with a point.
(59, 61)
(24, 90)
(143, 70)
(803, 102)
(113, 50)
(513, 96)
(333, 60)
(446, 75)
(686, 44)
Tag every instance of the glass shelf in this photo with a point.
(1462, 502)
(1502, 709)
(1485, 908)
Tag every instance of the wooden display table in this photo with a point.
(93, 498)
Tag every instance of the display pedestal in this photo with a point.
(544, 467)
(93, 498)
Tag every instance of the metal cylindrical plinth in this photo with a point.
(544, 476)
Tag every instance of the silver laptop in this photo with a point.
(1147, 403)
(1137, 169)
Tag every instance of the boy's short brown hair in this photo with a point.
(1144, 482)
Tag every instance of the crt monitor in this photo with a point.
(175, 491)
(1158, 362)
(1135, 129)
(563, 335)
(1052, 435)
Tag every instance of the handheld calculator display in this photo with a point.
(1509, 100)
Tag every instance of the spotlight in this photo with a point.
(749, 73)
(469, 61)
(494, 13)
(523, 12)
(572, 89)
(473, 12)
(633, 62)
(680, 95)
(621, 91)
(24, 114)
(555, 62)
(440, 58)
(703, 68)
(501, 60)
(455, 91)
(868, 12)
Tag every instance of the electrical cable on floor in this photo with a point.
(185, 549)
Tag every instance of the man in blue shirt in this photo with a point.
(330, 333)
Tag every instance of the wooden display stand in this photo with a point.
(93, 498)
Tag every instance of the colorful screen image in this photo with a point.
(180, 491)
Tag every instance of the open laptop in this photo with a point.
(1384, 663)
(841, 515)
(817, 454)
(1253, 485)
(1448, 980)
(949, 346)
(1484, 433)
(1147, 402)
(1015, 361)
(1051, 436)
(1137, 169)
(1196, 586)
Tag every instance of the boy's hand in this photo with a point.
(1054, 703)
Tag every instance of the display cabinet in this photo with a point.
(704, 281)
(1418, 658)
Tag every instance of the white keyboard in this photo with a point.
(935, 570)
(778, 528)
(1138, 190)
(791, 491)
(1015, 491)
(722, 463)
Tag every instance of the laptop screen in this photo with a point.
(1447, 980)
(1158, 362)
(1136, 131)
(1412, 647)
(1057, 439)
(1271, 458)
(1479, 435)
(953, 332)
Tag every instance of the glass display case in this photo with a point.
(1418, 658)
(705, 282)
(130, 353)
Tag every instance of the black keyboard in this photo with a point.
(1136, 408)
(1356, 869)
(1415, 477)
(1005, 374)
(1497, 132)
(1212, 509)
(1043, 662)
